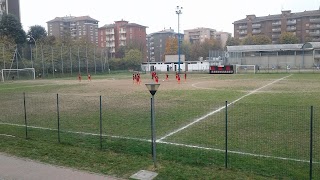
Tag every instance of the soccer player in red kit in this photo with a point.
(157, 79)
(89, 77)
(79, 77)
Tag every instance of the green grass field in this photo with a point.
(268, 120)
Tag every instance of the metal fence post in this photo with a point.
(100, 123)
(226, 136)
(311, 142)
(25, 114)
(58, 114)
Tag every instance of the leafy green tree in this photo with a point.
(171, 46)
(37, 32)
(261, 39)
(231, 41)
(288, 38)
(11, 28)
(249, 40)
(133, 59)
(185, 49)
(121, 51)
(195, 51)
(7, 47)
(206, 46)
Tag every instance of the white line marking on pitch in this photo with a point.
(76, 132)
(164, 142)
(237, 152)
(7, 135)
(218, 110)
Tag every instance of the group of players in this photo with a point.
(80, 77)
(136, 78)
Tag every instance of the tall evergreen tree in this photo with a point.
(11, 28)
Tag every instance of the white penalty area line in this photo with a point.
(164, 142)
(218, 110)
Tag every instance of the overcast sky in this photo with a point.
(159, 14)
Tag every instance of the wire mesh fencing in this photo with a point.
(278, 141)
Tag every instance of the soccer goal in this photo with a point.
(246, 69)
(18, 74)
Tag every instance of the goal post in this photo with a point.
(20, 74)
(246, 69)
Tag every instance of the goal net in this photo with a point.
(17, 74)
(246, 69)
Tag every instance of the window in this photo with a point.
(91, 28)
(79, 27)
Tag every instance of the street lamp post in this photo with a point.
(35, 43)
(153, 89)
(178, 12)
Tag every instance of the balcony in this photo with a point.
(316, 26)
(243, 32)
(291, 22)
(276, 23)
(194, 37)
(315, 20)
(109, 32)
(256, 26)
(256, 31)
(275, 36)
(243, 27)
(290, 29)
(123, 38)
(276, 30)
(316, 33)
(122, 31)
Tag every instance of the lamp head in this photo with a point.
(152, 88)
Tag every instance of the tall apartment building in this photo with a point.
(10, 7)
(305, 25)
(222, 37)
(122, 33)
(83, 27)
(156, 44)
(199, 34)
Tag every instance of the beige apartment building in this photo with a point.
(305, 25)
(222, 37)
(83, 27)
(199, 34)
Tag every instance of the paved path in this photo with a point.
(12, 168)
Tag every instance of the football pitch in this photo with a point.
(268, 116)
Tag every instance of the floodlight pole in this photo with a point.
(35, 43)
(178, 12)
